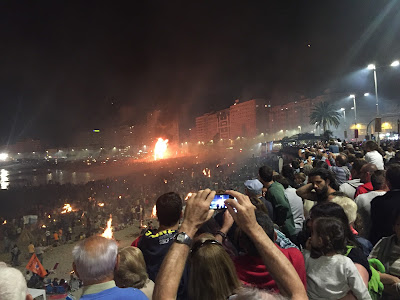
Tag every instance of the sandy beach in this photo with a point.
(62, 254)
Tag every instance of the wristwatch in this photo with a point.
(183, 238)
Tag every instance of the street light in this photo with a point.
(344, 113)
(396, 63)
(373, 67)
(366, 94)
(355, 107)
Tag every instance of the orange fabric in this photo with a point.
(35, 266)
(55, 236)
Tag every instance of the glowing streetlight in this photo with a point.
(373, 67)
(344, 113)
(355, 107)
(366, 94)
(396, 63)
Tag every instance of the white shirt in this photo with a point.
(374, 157)
(390, 155)
(363, 202)
(296, 205)
(349, 187)
(332, 277)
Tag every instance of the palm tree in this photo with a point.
(325, 115)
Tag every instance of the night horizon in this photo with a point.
(69, 67)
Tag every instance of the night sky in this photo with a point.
(63, 63)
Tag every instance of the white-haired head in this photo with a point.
(349, 207)
(249, 293)
(12, 284)
(95, 259)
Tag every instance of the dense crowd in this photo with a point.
(324, 224)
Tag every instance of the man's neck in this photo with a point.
(268, 184)
(88, 282)
(164, 227)
(330, 190)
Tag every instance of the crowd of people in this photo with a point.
(325, 224)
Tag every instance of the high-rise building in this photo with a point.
(293, 114)
(223, 124)
(248, 119)
(207, 127)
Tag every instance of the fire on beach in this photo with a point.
(108, 232)
(154, 212)
(160, 149)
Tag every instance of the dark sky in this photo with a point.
(62, 63)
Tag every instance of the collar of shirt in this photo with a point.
(99, 287)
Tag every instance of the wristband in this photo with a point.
(221, 234)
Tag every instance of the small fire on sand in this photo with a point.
(207, 172)
(108, 232)
(154, 213)
(66, 208)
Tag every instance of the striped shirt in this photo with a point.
(342, 174)
(387, 250)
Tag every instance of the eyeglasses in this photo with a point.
(197, 245)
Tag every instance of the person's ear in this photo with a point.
(74, 268)
(328, 182)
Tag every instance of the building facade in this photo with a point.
(207, 126)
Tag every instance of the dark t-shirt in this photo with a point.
(358, 257)
(155, 246)
(383, 215)
(269, 207)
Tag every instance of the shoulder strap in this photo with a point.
(349, 248)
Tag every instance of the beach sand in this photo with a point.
(63, 254)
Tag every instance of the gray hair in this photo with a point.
(95, 258)
(248, 293)
(12, 283)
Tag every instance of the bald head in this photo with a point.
(366, 172)
(95, 259)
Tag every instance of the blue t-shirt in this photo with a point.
(117, 293)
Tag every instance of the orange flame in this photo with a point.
(101, 204)
(108, 233)
(154, 212)
(66, 208)
(207, 172)
(160, 148)
(5, 222)
(188, 196)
